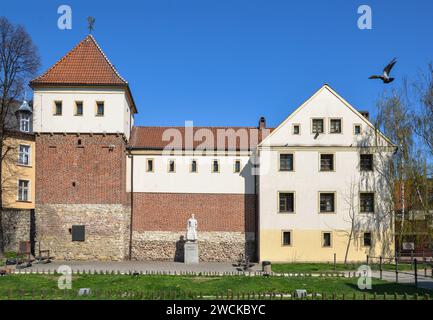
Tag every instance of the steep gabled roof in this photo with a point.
(85, 65)
(210, 138)
(347, 104)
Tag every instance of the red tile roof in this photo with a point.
(209, 138)
(84, 65)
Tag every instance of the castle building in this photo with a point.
(107, 189)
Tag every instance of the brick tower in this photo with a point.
(83, 116)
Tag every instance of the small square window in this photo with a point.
(149, 165)
(357, 129)
(296, 129)
(237, 166)
(366, 162)
(78, 108)
(326, 162)
(318, 126)
(171, 166)
(335, 126)
(100, 108)
(367, 202)
(327, 202)
(58, 108)
(286, 202)
(287, 238)
(78, 233)
(327, 239)
(193, 166)
(286, 162)
(215, 166)
(367, 239)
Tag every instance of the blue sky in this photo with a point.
(221, 62)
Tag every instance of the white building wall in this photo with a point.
(115, 119)
(184, 181)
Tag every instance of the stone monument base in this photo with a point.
(191, 252)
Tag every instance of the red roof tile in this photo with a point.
(209, 138)
(84, 65)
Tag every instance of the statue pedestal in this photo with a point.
(191, 252)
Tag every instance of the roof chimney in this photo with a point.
(262, 123)
(365, 114)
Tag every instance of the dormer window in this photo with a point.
(25, 122)
(100, 108)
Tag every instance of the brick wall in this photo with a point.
(214, 212)
(91, 173)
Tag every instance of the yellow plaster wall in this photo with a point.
(12, 172)
(307, 246)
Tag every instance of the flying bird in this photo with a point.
(385, 76)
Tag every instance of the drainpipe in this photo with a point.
(130, 156)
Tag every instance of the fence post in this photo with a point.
(335, 261)
(396, 269)
(380, 267)
(415, 264)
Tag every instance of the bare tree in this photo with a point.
(19, 61)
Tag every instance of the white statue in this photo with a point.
(191, 229)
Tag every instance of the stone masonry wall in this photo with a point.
(213, 246)
(106, 230)
(16, 228)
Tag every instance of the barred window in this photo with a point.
(326, 162)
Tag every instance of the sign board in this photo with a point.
(408, 246)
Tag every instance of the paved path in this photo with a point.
(407, 278)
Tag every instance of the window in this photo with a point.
(237, 166)
(149, 165)
(286, 162)
(367, 202)
(357, 129)
(58, 108)
(24, 155)
(100, 108)
(327, 202)
(193, 166)
(23, 190)
(78, 233)
(287, 238)
(215, 166)
(326, 239)
(171, 166)
(296, 129)
(366, 162)
(318, 126)
(78, 108)
(286, 202)
(24, 122)
(326, 162)
(367, 239)
(335, 126)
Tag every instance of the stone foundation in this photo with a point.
(16, 227)
(213, 246)
(106, 231)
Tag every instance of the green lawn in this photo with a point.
(186, 287)
(329, 267)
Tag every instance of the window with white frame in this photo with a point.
(317, 126)
(23, 190)
(24, 155)
(25, 122)
(335, 126)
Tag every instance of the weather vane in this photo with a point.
(90, 24)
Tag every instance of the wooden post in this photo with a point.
(380, 267)
(415, 264)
